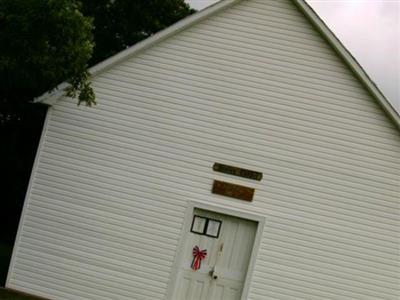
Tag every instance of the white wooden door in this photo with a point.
(223, 271)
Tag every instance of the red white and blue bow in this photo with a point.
(198, 256)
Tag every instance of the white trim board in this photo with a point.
(53, 96)
(28, 192)
(349, 59)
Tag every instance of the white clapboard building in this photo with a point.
(241, 153)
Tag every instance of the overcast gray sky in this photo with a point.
(370, 30)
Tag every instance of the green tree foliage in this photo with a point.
(122, 23)
(43, 42)
(46, 42)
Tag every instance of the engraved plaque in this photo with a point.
(237, 171)
(233, 190)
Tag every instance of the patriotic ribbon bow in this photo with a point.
(198, 256)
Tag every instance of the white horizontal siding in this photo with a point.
(256, 87)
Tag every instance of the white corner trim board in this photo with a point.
(28, 192)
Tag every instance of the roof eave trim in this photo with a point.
(348, 59)
(52, 97)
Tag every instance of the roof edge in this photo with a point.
(348, 58)
(51, 97)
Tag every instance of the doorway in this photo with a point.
(216, 256)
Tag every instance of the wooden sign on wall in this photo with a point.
(237, 171)
(233, 190)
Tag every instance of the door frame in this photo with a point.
(187, 222)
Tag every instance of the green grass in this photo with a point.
(9, 295)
